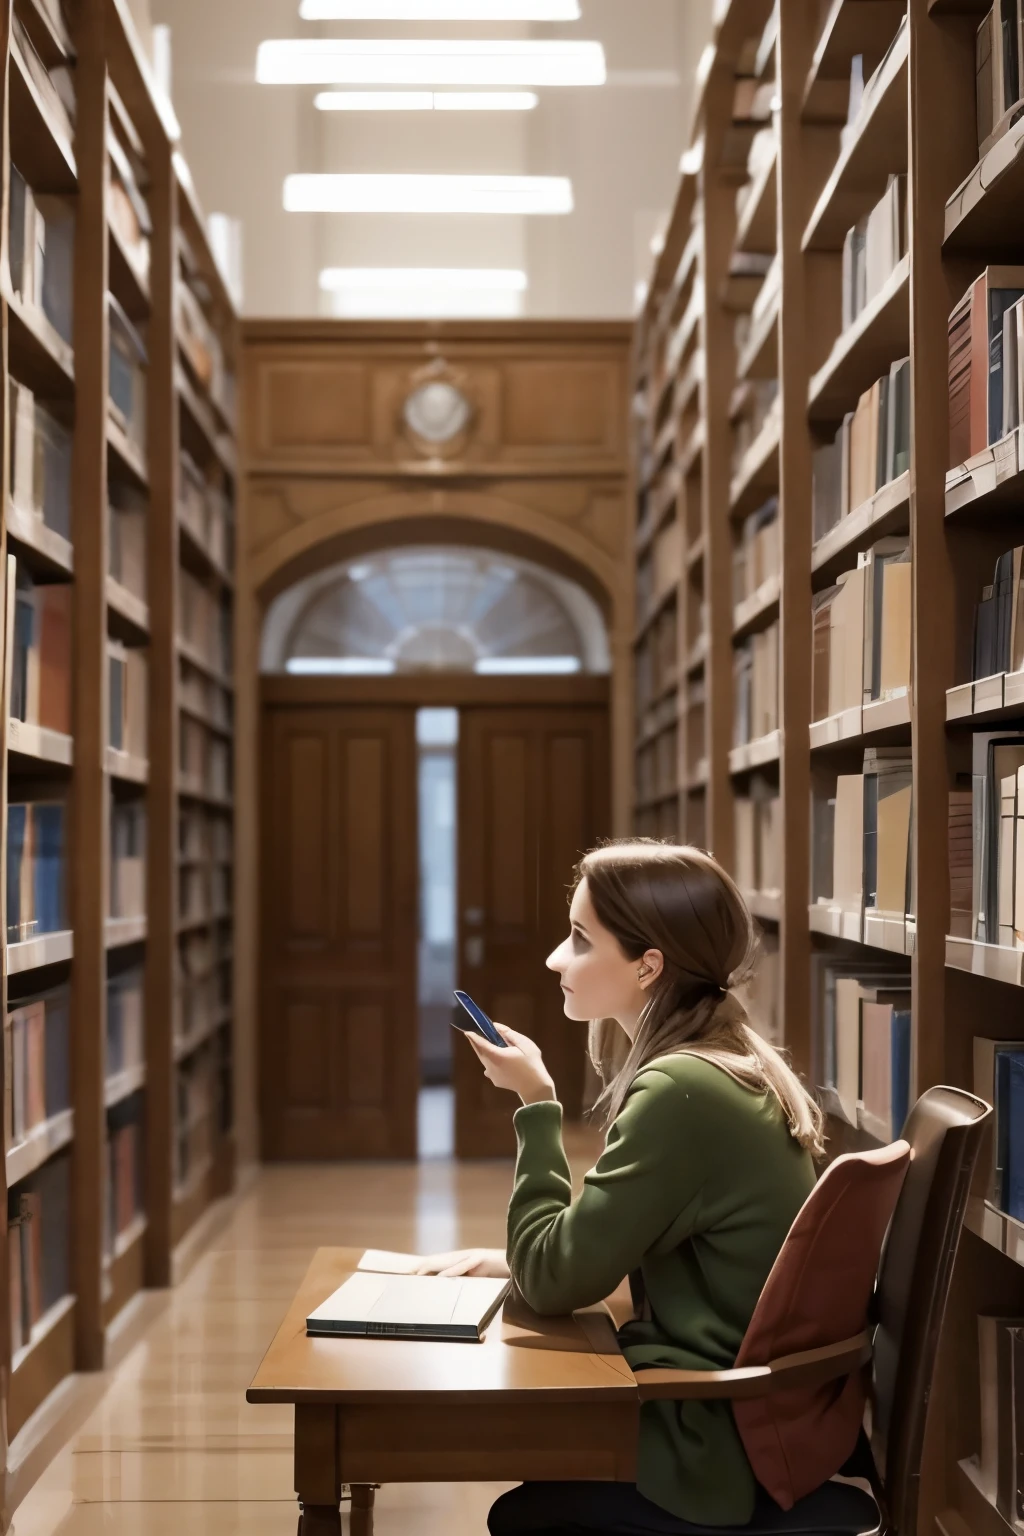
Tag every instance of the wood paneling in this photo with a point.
(338, 1026)
(308, 403)
(533, 796)
(567, 405)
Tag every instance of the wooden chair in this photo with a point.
(944, 1130)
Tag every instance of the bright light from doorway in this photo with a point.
(425, 101)
(340, 666)
(527, 666)
(328, 192)
(429, 61)
(440, 10)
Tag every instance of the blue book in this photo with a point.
(17, 818)
(48, 820)
(900, 1068)
(1010, 1129)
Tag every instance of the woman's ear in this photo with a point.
(650, 967)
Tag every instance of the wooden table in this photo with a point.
(541, 1397)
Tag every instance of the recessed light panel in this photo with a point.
(327, 192)
(430, 61)
(440, 10)
(425, 101)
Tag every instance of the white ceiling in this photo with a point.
(619, 143)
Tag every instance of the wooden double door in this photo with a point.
(339, 1056)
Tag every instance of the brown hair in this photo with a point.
(652, 895)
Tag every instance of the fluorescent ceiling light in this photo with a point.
(425, 101)
(440, 10)
(429, 305)
(340, 666)
(411, 61)
(326, 192)
(440, 279)
(519, 666)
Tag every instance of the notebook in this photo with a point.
(374, 1306)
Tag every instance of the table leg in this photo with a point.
(361, 1519)
(317, 1474)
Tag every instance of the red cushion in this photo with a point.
(818, 1293)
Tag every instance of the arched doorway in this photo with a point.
(435, 756)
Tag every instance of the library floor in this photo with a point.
(173, 1446)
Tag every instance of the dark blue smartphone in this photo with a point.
(481, 1023)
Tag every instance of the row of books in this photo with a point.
(656, 660)
(36, 895)
(40, 461)
(202, 985)
(999, 1080)
(756, 686)
(125, 1020)
(657, 766)
(986, 358)
(999, 59)
(861, 837)
(126, 204)
(41, 653)
(661, 568)
(760, 996)
(37, 1064)
(870, 449)
(758, 837)
(204, 760)
(197, 337)
(38, 1246)
(203, 836)
(866, 1038)
(127, 375)
(862, 631)
(125, 1169)
(205, 510)
(752, 406)
(127, 540)
(752, 320)
(873, 249)
(127, 858)
(41, 245)
(756, 555)
(128, 701)
(999, 619)
(195, 1109)
(986, 843)
(55, 86)
(204, 892)
(998, 1469)
(201, 695)
(759, 158)
(204, 622)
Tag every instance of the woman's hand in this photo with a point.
(489, 1262)
(519, 1067)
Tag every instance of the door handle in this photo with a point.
(474, 950)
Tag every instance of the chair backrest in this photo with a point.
(818, 1293)
(945, 1130)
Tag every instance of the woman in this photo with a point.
(708, 1158)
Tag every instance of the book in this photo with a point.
(828, 483)
(127, 698)
(40, 461)
(41, 661)
(127, 544)
(976, 361)
(848, 867)
(846, 641)
(36, 1051)
(961, 864)
(129, 361)
(409, 1307)
(127, 858)
(885, 1062)
(995, 757)
(35, 869)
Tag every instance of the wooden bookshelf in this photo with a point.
(963, 212)
(126, 548)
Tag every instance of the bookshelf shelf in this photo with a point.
(195, 658)
(876, 149)
(758, 474)
(45, 546)
(32, 954)
(39, 1146)
(186, 1045)
(887, 511)
(987, 700)
(864, 721)
(56, 1319)
(121, 931)
(129, 285)
(39, 357)
(204, 718)
(996, 1228)
(983, 1517)
(48, 33)
(39, 144)
(756, 610)
(39, 744)
(127, 455)
(134, 611)
(982, 214)
(996, 961)
(766, 906)
(122, 765)
(695, 554)
(990, 481)
(756, 228)
(123, 1084)
(200, 416)
(862, 352)
(126, 1240)
(845, 33)
(755, 754)
(759, 358)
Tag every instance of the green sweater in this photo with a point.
(697, 1187)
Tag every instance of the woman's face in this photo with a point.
(598, 982)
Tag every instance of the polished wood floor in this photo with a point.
(172, 1445)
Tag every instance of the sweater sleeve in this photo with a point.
(565, 1254)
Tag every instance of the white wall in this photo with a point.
(620, 144)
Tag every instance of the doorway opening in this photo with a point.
(437, 739)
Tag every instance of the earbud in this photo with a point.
(645, 970)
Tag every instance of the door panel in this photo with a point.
(533, 796)
(338, 1056)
